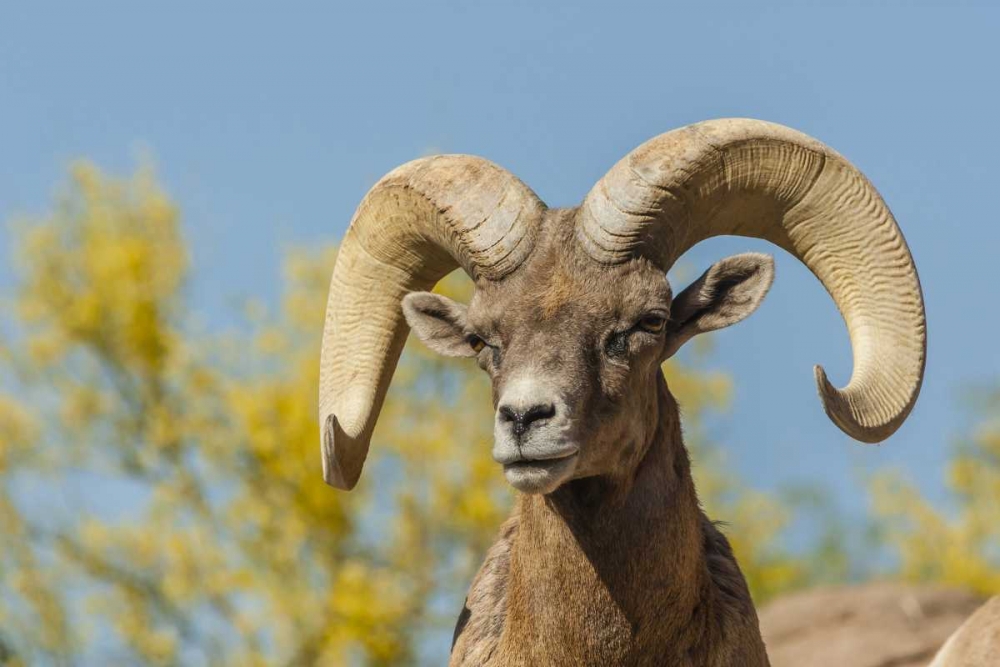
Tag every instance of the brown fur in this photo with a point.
(613, 563)
(606, 574)
(560, 290)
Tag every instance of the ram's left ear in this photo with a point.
(725, 294)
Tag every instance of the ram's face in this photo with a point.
(573, 349)
(565, 350)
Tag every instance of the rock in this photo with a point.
(874, 625)
(977, 642)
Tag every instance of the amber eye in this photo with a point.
(476, 343)
(653, 323)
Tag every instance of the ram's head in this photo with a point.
(572, 313)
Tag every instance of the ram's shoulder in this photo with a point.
(480, 624)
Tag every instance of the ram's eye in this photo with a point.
(476, 343)
(653, 323)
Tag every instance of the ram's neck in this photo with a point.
(613, 574)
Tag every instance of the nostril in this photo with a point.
(536, 412)
(522, 420)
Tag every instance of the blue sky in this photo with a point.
(268, 126)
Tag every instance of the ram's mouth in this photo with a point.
(540, 475)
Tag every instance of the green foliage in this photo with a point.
(223, 545)
(957, 545)
(753, 521)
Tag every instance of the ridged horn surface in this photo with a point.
(751, 178)
(417, 224)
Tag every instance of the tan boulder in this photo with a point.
(873, 625)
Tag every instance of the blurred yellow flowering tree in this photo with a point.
(957, 545)
(160, 494)
(754, 521)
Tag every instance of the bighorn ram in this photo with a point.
(608, 558)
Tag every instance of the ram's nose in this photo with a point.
(520, 419)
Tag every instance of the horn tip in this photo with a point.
(333, 470)
(840, 411)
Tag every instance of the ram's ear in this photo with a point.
(725, 294)
(439, 322)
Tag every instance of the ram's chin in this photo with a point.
(540, 476)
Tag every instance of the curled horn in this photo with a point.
(417, 224)
(750, 178)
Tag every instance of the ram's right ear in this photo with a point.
(439, 322)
